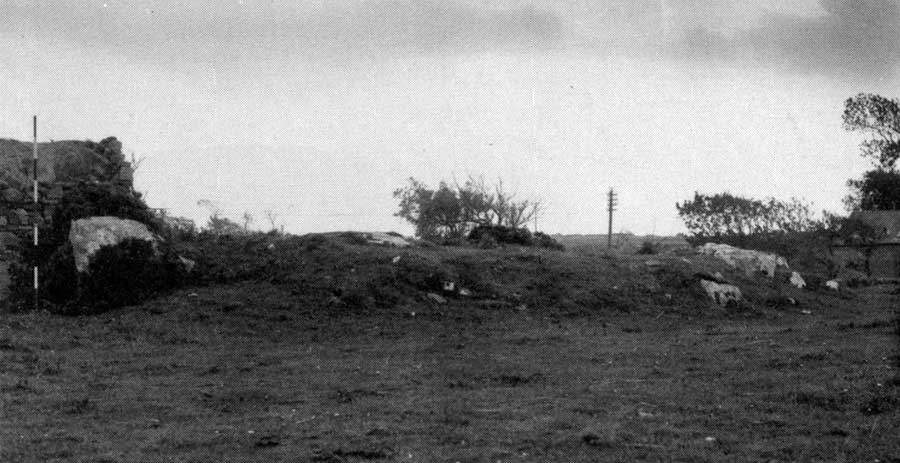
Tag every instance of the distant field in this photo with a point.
(251, 372)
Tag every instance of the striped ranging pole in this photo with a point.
(613, 202)
(34, 177)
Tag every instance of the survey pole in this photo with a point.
(36, 213)
(613, 202)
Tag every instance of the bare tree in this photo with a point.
(272, 217)
(248, 219)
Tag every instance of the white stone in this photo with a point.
(88, 235)
(720, 293)
(748, 260)
(386, 239)
(797, 280)
(832, 285)
(188, 264)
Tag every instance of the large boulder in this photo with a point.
(88, 235)
(746, 260)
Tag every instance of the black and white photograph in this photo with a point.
(451, 231)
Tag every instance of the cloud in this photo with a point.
(169, 31)
(850, 37)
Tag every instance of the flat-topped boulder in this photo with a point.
(746, 260)
(88, 235)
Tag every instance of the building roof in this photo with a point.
(885, 223)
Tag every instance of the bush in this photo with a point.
(648, 247)
(544, 240)
(127, 274)
(502, 235)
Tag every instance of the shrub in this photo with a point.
(544, 240)
(648, 247)
(502, 234)
(127, 273)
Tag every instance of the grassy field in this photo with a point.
(252, 371)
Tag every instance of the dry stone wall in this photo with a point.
(61, 166)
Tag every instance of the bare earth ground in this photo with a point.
(233, 373)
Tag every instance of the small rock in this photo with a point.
(396, 260)
(271, 247)
(22, 216)
(522, 307)
(717, 277)
(188, 264)
(797, 280)
(721, 294)
(449, 286)
(806, 312)
(436, 298)
(710, 439)
(464, 292)
(12, 195)
(653, 263)
(832, 285)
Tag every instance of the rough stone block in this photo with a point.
(13, 195)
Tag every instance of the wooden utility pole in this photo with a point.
(36, 215)
(613, 202)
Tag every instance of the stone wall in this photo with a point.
(61, 165)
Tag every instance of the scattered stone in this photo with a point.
(832, 285)
(188, 264)
(449, 286)
(464, 292)
(436, 298)
(806, 312)
(721, 294)
(271, 247)
(797, 280)
(653, 263)
(396, 260)
(89, 235)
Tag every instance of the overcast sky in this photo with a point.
(320, 109)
